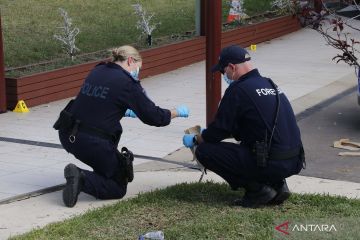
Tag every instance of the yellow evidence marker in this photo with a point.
(21, 107)
(253, 47)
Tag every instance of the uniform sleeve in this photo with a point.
(223, 123)
(145, 109)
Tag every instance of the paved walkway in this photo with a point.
(30, 157)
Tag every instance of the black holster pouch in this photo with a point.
(66, 119)
(261, 153)
(126, 158)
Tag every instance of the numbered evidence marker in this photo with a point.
(21, 107)
(253, 47)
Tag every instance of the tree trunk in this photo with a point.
(149, 40)
(318, 6)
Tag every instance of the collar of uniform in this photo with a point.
(117, 66)
(252, 73)
(114, 65)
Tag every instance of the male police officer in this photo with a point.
(258, 114)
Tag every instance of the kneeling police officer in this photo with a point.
(89, 126)
(256, 113)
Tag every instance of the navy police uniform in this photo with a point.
(108, 91)
(246, 113)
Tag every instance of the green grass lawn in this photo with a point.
(29, 25)
(204, 211)
(254, 7)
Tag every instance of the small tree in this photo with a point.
(68, 35)
(341, 40)
(237, 8)
(286, 6)
(333, 29)
(330, 26)
(144, 23)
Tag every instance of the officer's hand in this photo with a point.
(130, 113)
(182, 111)
(188, 140)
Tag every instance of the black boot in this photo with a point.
(125, 173)
(256, 195)
(74, 182)
(128, 159)
(234, 187)
(283, 192)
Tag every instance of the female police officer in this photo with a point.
(89, 126)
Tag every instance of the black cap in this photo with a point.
(232, 54)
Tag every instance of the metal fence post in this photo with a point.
(213, 47)
(197, 17)
(200, 11)
(3, 104)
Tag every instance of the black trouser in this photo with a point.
(102, 156)
(235, 164)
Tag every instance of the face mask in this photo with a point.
(135, 74)
(228, 80)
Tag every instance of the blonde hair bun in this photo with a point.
(124, 52)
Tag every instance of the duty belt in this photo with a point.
(80, 127)
(283, 155)
(67, 122)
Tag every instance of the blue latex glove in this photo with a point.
(130, 113)
(188, 140)
(182, 111)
